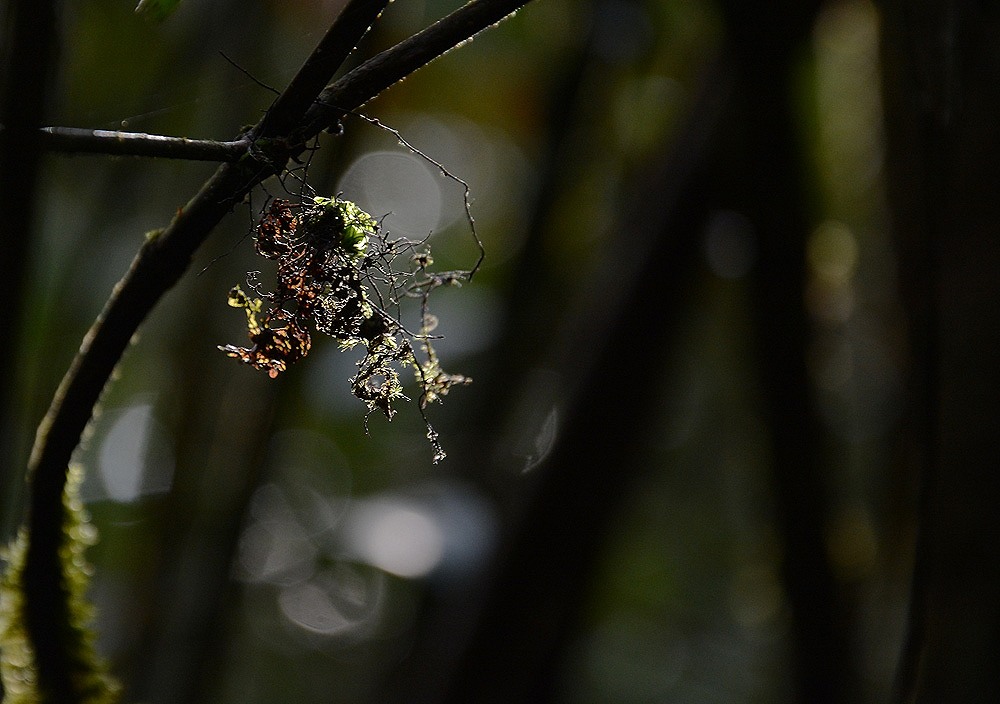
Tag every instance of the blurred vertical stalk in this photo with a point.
(763, 176)
(191, 597)
(739, 147)
(28, 49)
(533, 605)
(941, 66)
(445, 621)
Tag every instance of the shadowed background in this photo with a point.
(678, 475)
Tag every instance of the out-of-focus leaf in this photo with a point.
(156, 10)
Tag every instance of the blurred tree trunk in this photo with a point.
(29, 39)
(762, 172)
(942, 100)
(534, 604)
(740, 151)
(519, 631)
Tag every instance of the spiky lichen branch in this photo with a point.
(158, 265)
(337, 274)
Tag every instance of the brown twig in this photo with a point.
(78, 140)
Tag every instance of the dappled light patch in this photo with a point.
(133, 457)
(404, 540)
(330, 569)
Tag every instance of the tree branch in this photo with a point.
(284, 118)
(163, 259)
(335, 46)
(393, 65)
(77, 140)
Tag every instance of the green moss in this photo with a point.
(350, 226)
(17, 663)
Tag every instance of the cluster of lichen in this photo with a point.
(88, 672)
(336, 274)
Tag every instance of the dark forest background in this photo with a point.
(733, 430)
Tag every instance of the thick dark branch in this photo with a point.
(77, 140)
(161, 262)
(287, 111)
(393, 65)
(285, 114)
(353, 90)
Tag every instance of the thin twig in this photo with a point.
(249, 75)
(466, 196)
(78, 140)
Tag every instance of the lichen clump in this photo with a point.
(337, 274)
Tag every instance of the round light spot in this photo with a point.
(398, 187)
